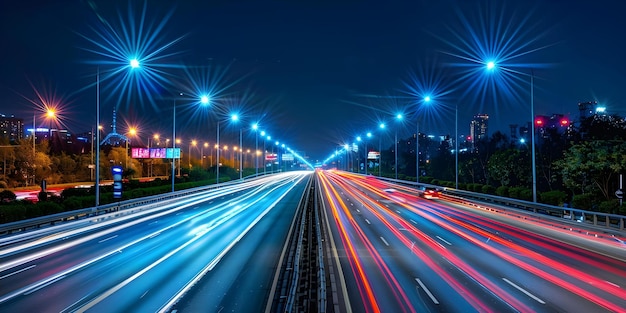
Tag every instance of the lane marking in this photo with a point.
(432, 297)
(17, 272)
(107, 239)
(368, 222)
(447, 242)
(358, 211)
(398, 211)
(154, 235)
(523, 290)
(412, 221)
(608, 282)
(144, 294)
(384, 241)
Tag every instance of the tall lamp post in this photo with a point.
(206, 145)
(532, 133)
(367, 137)
(255, 127)
(399, 118)
(132, 132)
(97, 183)
(134, 63)
(358, 154)
(456, 145)
(491, 66)
(174, 142)
(193, 143)
(380, 151)
(263, 155)
(235, 119)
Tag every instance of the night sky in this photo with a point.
(315, 74)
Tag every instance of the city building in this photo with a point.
(478, 129)
(11, 128)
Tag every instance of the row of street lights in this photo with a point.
(489, 66)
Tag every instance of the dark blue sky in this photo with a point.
(312, 69)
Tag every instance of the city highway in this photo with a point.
(398, 252)
(144, 262)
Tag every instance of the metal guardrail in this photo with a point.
(123, 207)
(597, 219)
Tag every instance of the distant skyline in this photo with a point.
(316, 74)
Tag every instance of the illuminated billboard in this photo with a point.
(140, 153)
(172, 153)
(155, 153)
(158, 153)
(373, 155)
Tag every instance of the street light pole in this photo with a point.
(456, 143)
(240, 153)
(217, 170)
(532, 133)
(417, 151)
(396, 151)
(380, 155)
(173, 143)
(97, 184)
(256, 148)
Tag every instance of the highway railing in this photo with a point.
(600, 220)
(122, 207)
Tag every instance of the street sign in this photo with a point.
(619, 193)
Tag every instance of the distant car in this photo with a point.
(393, 194)
(429, 192)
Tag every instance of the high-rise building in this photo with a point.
(11, 128)
(478, 128)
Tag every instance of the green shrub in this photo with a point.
(73, 203)
(48, 208)
(75, 192)
(609, 206)
(502, 191)
(553, 197)
(583, 202)
(488, 189)
(514, 192)
(526, 194)
(12, 212)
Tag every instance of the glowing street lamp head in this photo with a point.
(234, 117)
(50, 113)
(262, 133)
(382, 126)
(204, 99)
(491, 65)
(255, 126)
(427, 99)
(369, 135)
(134, 63)
(132, 131)
(358, 138)
(399, 116)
